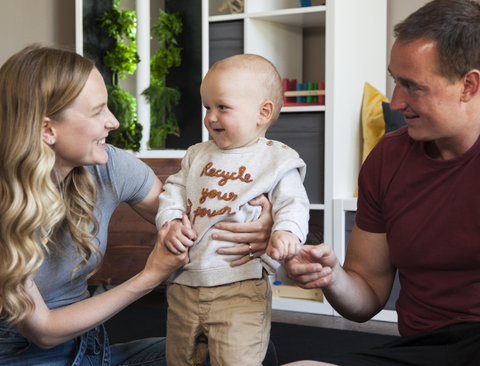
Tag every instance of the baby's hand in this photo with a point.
(180, 236)
(283, 245)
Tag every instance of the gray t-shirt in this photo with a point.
(123, 178)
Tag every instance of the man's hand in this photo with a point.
(313, 266)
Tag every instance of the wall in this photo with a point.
(22, 22)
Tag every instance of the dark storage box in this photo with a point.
(305, 133)
(226, 39)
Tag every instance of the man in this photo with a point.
(419, 202)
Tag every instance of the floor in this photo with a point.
(337, 322)
(157, 299)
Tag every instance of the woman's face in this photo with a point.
(80, 136)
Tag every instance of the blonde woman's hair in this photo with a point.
(38, 82)
(265, 73)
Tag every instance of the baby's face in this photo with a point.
(233, 107)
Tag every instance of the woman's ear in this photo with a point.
(266, 113)
(49, 132)
(471, 85)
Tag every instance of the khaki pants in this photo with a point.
(231, 322)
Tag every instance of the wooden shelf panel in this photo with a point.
(313, 16)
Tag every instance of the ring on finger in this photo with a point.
(250, 250)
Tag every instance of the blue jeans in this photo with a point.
(88, 350)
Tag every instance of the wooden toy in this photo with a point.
(235, 6)
(305, 94)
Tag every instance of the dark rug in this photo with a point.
(292, 342)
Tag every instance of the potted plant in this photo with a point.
(121, 25)
(161, 97)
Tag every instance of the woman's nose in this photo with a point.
(112, 122)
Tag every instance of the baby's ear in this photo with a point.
(266, 112)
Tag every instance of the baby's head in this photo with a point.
(243, 96)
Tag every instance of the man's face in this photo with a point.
(430, 103)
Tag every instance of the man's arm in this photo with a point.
(359, 289)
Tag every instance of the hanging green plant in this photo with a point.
(123, 59)
(161, 98)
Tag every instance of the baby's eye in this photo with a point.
(206, 107)
(222, 107)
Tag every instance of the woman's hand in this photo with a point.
(254, 235)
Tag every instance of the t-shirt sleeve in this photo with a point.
(126, 177)
(369, 216)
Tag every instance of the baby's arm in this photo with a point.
(180, 236)
(283, 245)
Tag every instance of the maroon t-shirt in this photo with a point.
(430, 211)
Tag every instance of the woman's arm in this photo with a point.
(256, 233)
(48, 328)
(148, 208)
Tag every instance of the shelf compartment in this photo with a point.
(214, 11)
(313, 16)
(310, 108)
(256, 6)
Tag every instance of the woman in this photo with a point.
(59, 185)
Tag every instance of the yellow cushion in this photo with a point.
(373, 122)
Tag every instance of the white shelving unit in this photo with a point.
(355, 53)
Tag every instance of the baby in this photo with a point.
(214, 307)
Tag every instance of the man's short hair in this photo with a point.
(455, 26)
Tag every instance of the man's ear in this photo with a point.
(49, 132)
(266, 113)
(471, 85)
